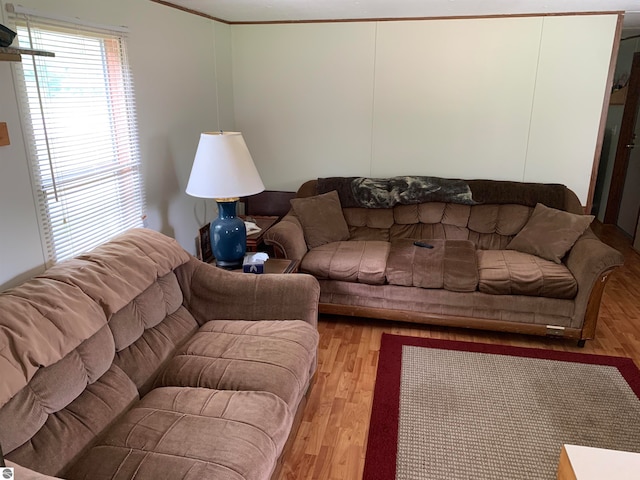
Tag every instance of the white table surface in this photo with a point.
(590, 463)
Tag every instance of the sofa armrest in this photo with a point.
(590, 261)
(217, 294)
(287, 238)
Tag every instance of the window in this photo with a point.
(81, 132)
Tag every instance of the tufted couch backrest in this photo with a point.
(147, 331)
(488, 226)
(57, 415)
(50, 420)
(68, 401)
(491, 226)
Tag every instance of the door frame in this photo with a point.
(627, 127)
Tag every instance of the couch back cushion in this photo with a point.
(490, 227)
(147, 331)
(55, 333)
(369, 223)
(502, 209)
(54, 387)
(54, 419)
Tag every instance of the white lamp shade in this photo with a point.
(223, 168)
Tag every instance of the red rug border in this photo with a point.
(383, 432)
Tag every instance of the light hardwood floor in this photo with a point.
(332, 439)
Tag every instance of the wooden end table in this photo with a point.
(255, 240)
(273, 265)
(281, 265)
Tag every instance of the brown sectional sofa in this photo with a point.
(139, 361)
(498, 260)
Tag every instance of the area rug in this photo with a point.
(458, 410)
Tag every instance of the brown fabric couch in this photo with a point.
(139, 361)
(476, 275)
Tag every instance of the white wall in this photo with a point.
(172, 60)
(20, 248)
(453, 98)
(503, 98)
(304, 98)
(575, 55)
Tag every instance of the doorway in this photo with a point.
(623, 205)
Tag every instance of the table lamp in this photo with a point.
(224, 170)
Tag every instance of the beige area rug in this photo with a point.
(455, 410)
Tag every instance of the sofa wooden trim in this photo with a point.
(593, 305)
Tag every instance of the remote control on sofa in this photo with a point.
(423, 244)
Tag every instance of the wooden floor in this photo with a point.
(332, 438)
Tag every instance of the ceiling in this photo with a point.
(241, 11)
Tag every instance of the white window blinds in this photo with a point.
(81, 132)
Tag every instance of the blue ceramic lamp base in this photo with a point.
(228, 236)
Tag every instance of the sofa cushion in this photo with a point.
(192, 434)
(145, 311)
(69, 432)
(272, 356)
(321, 218)
(492, 227)
(504, 220)
(53, 388)
(148, 329)
(352, 261)
(550, 233)
(369, 217)
(369, 223)
(450, 264)
(508, 272)
(143, 360)
(430, 220)
(47, 317)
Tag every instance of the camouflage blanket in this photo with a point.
(406, 190)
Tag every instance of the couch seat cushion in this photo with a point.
(272, 356)
(352, 261)
(191, 433)
(509, 272)
(450, 264)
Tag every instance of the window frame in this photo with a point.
(124, 164)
